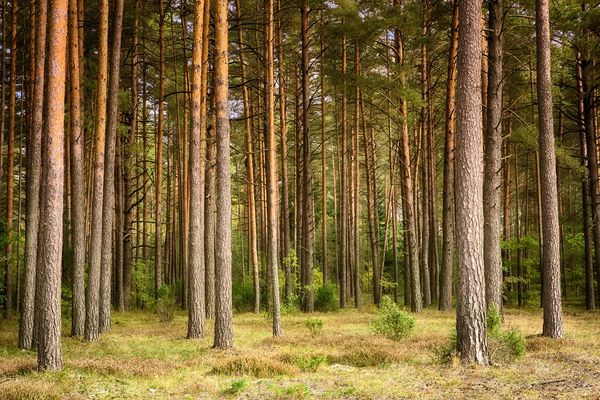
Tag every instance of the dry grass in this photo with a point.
(141, 358)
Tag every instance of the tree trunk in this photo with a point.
(92, 315)
(471, 314)
(590, 297)
(158, 256)
(78, 170)
(34, 160)
(285, 198)
(272, 192)
(48, 280)
(553, 326)
(307, 201)
(448, 236)
(343, 182)
(223, 307)
(10, 173)
(196, 296)
(493, 160)
(210, 204)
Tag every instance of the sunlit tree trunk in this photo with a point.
(48, 280)
(223, 338)
(553, 326)
(471, 313)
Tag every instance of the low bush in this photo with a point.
(392, 322)
(165, 304)
(315, 326)
(326, 298)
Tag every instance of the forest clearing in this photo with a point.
(142, 359)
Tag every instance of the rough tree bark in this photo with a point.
(493, 160)
(448, 234)
(223, 338)
(471, 312)
(553, 326)
(34, 160)
(48, 280)
(196, 226)
(92, 312)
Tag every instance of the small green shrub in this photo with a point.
(326, 298)
(315, 326)
(447, 351)
(236, 387)
(165, 305)
(392, 322)
(309, 363)
(493, 321)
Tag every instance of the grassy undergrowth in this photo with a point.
(141, 358)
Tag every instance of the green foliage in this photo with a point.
(165, 304)
(392, 322)
(142, 283)
(236, 387)
(66, 300)
(243, 296)
(446, 353)
(315, 326)
(493, 320)
(326, 298)
(309, 363)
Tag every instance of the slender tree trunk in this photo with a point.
(285, 198)
(471, 313)
(553, 326)
(77, 141)
(272, 192)
(448, 236)
(223, 307)
(210, 204)
(158, 256)
(92, 314)
(196, 296)
(493, 159)
(34, 160)
(48, 280)
(343, 181)
(585, 192)
(10, 173)
(307, 201)
(108, 202)
(251, 200)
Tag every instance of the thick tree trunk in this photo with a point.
(553, 326)
(223, 307)
(48, 280)
(471, 313)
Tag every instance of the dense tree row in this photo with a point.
(223, 155)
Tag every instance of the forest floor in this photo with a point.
(142, 359)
